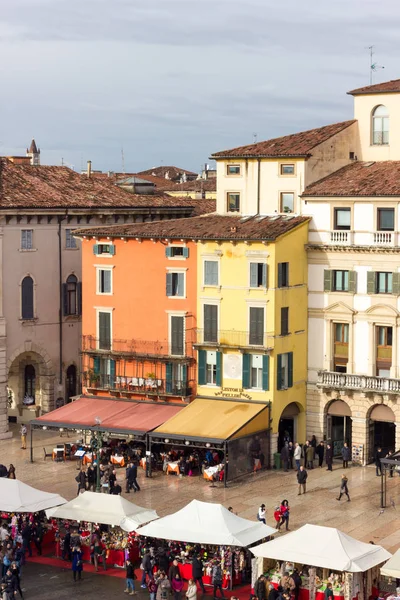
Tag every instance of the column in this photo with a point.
(397, 436)
(360, 437)
(315, 415)
(4, 432)
(328, 345)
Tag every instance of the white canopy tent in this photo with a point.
(104, 508)
(19, 497)
(392, 567)
(324, 547)
(207, 523)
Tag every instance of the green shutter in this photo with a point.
(265, 372)
(112, 373)
(168, 377)
(201, 366)
(396, 284)
(186, 252)
(96, 249)
(371, 287)
(280, 275)
(246, 371)
(218, 374)
(290, 369)
(253, 274)
(169, 284)
(168, 252)
(328, 280)
(112, 249)
(353, 282)
(279, 372)
(96, 365)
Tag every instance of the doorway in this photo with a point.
(287, 425)
(71, 383)
(382, 430)
(338, 425)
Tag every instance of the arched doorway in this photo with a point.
(70, 383)
(288, 424)
(382, 429)
(338, 425)
(29, 385)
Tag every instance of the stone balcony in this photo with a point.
(359, 383)
(341, 237)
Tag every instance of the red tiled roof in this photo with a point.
(49, 187)
(196, 185)
(360, 179)
(388, 87)
(174, 172)
(296, 144)
(212, 227)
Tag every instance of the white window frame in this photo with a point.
(180, 270)
(286, 192)
(211, 259)
(262, 262)
(101, 309)
(250, 374)
(233, 174)
(285, 164)
(72, 240)
(211, 384)
(105, 254)
(181, 245)
(179, 313)
(236, 193)
(98, 279)
(21, 242)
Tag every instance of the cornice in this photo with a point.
(352, 248)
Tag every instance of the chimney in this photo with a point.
(89, 168)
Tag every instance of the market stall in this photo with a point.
(213, 533)
(322, 555)
(18, 497)
(392, 567)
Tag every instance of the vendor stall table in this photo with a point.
(173, 467)
(185, 571)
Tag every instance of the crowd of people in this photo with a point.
(287, 589)
(108, 482)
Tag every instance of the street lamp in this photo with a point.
(95, 443)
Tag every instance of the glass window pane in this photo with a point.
(386, 219)
(381, 336)
(287, 201)
(287, 169)
(346, 333)
(338, 332)
(343, 217)
(381, 111)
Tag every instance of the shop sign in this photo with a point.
(231, 392)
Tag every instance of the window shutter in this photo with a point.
(96, 249)
(181, 280)
(79, 298)
(210, 323)
(96, 365)
(265, 372)
(214, 272)
(112, 249)
(290, 369)
(353, 281)
(246, 371)
(183, 384)
(264, 276)
(177, 336)
(107, 281)
(279, 372)
(256, 334)
(201, 367)
(112, 373)
(104, 331)
(371, 289)
(396, 284)
(168, 252)
(168, 377)
(169, 284)
(218, 373)
(253, 274)
(280, 275)
(186, 252)
(328, 280)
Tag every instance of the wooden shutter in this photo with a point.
(218, 370)
(264, 276)
(353, 281)
(328, 280)
(169, 284)
(27, 308)
(265, 372)
(186, 252)
(66, 308)
(112, 249)
(181, 284)
(284, 320)
(253, 275)
(256, 334)
(104, 331)
(177, 336)
(290, 369)
(201, 367)
(246, 371)
(96, 249)
(112, 373)
(371, 285)
(79, 298)
(280, 274)
(168, 378)
(396, 284)
(279, 372)
(168, 252)
(210, 323)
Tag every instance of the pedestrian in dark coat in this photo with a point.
(26, 535)
(133, 478)
(11, 583)
(91, 479)
(329, 457)
(343, 488)
(38, 536)
(162, 560)
(285, 457)
(260, 588)
(310, 457)
(77, 565)
(378, 455)
(81, 480)
(301, 479)
(66, 553)
(197, 572)
(320, 451)
(15, 570)
(346, 455)
(146, 568)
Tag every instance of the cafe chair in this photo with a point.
(47, 454)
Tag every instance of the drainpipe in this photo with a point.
(258, 185)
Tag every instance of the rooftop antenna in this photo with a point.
(123, 160)
(373, 66)
(254, 138)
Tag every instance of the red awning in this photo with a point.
(115, 415)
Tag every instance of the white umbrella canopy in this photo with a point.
(323, 547)
(392, 567)
(104, 508)
(16, 496)
(207, 523)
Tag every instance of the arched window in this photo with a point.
(380, 126)
(71, 382)
(30, 381)
(27, 311)
(72, 296)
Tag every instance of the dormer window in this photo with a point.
(380, 126)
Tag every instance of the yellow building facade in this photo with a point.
(252, 326)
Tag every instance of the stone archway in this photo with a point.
(291, 423)
(338, 416)
(382, 429)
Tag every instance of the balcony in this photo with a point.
(231, 338)
(360, 383)
(383, 238)
(135, 348)
(341, 238)
(136, 385)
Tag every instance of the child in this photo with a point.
(277, 517)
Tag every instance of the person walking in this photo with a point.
(343, 488)
(302, 479)
(11, 472)
(297, 455)
(197, 572)
(310, 456)
(112, 478)
(291, 454)
(81, 480)
(320, 451)
(346, 455)
(26, 535)
(146, 568)
(329, 457)
(91, 479)
(38, 536)
(217, 580)
(285, 457)
(285, 513)
(261, 515)
(66, 551)
(177, 587)
(191, 592)
(77, 565)
(278, 517)
(378, 456)
(260, 589)
(23, 432)
(129, 578)
(133, 478)
(163, 586)
(16, 571)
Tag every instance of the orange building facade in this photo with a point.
(139, 318)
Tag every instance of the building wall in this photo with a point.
(196, 195)
(363, 109)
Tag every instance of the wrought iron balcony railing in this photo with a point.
(140, 385)
(235, 339)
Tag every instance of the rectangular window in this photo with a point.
(104, 327)
(258, 275)
(210, 272)
(341, 347)
(287, 202)
(108, 249)
(211, 368)
(285, 320)
(384, 342)
(26, 239)
(233, 170)
(177, 335)
(177, 252)
(385, 336)
(210, 323)
(104, 370)
(175, 285)
(384, 283)
(340, 281)
(233, 201)
(287, 169)
(70, 241)
(386, 219)
(285, 371)
(283, 275)
(104, 277)
(343, 218)
(256, 371)
(256, 329)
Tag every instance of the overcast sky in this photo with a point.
(172, 81)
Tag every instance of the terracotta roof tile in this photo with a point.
(360, 179)
(173, 172)
(388, 87)
(212, 227)
(196, 185)
(296, 144)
